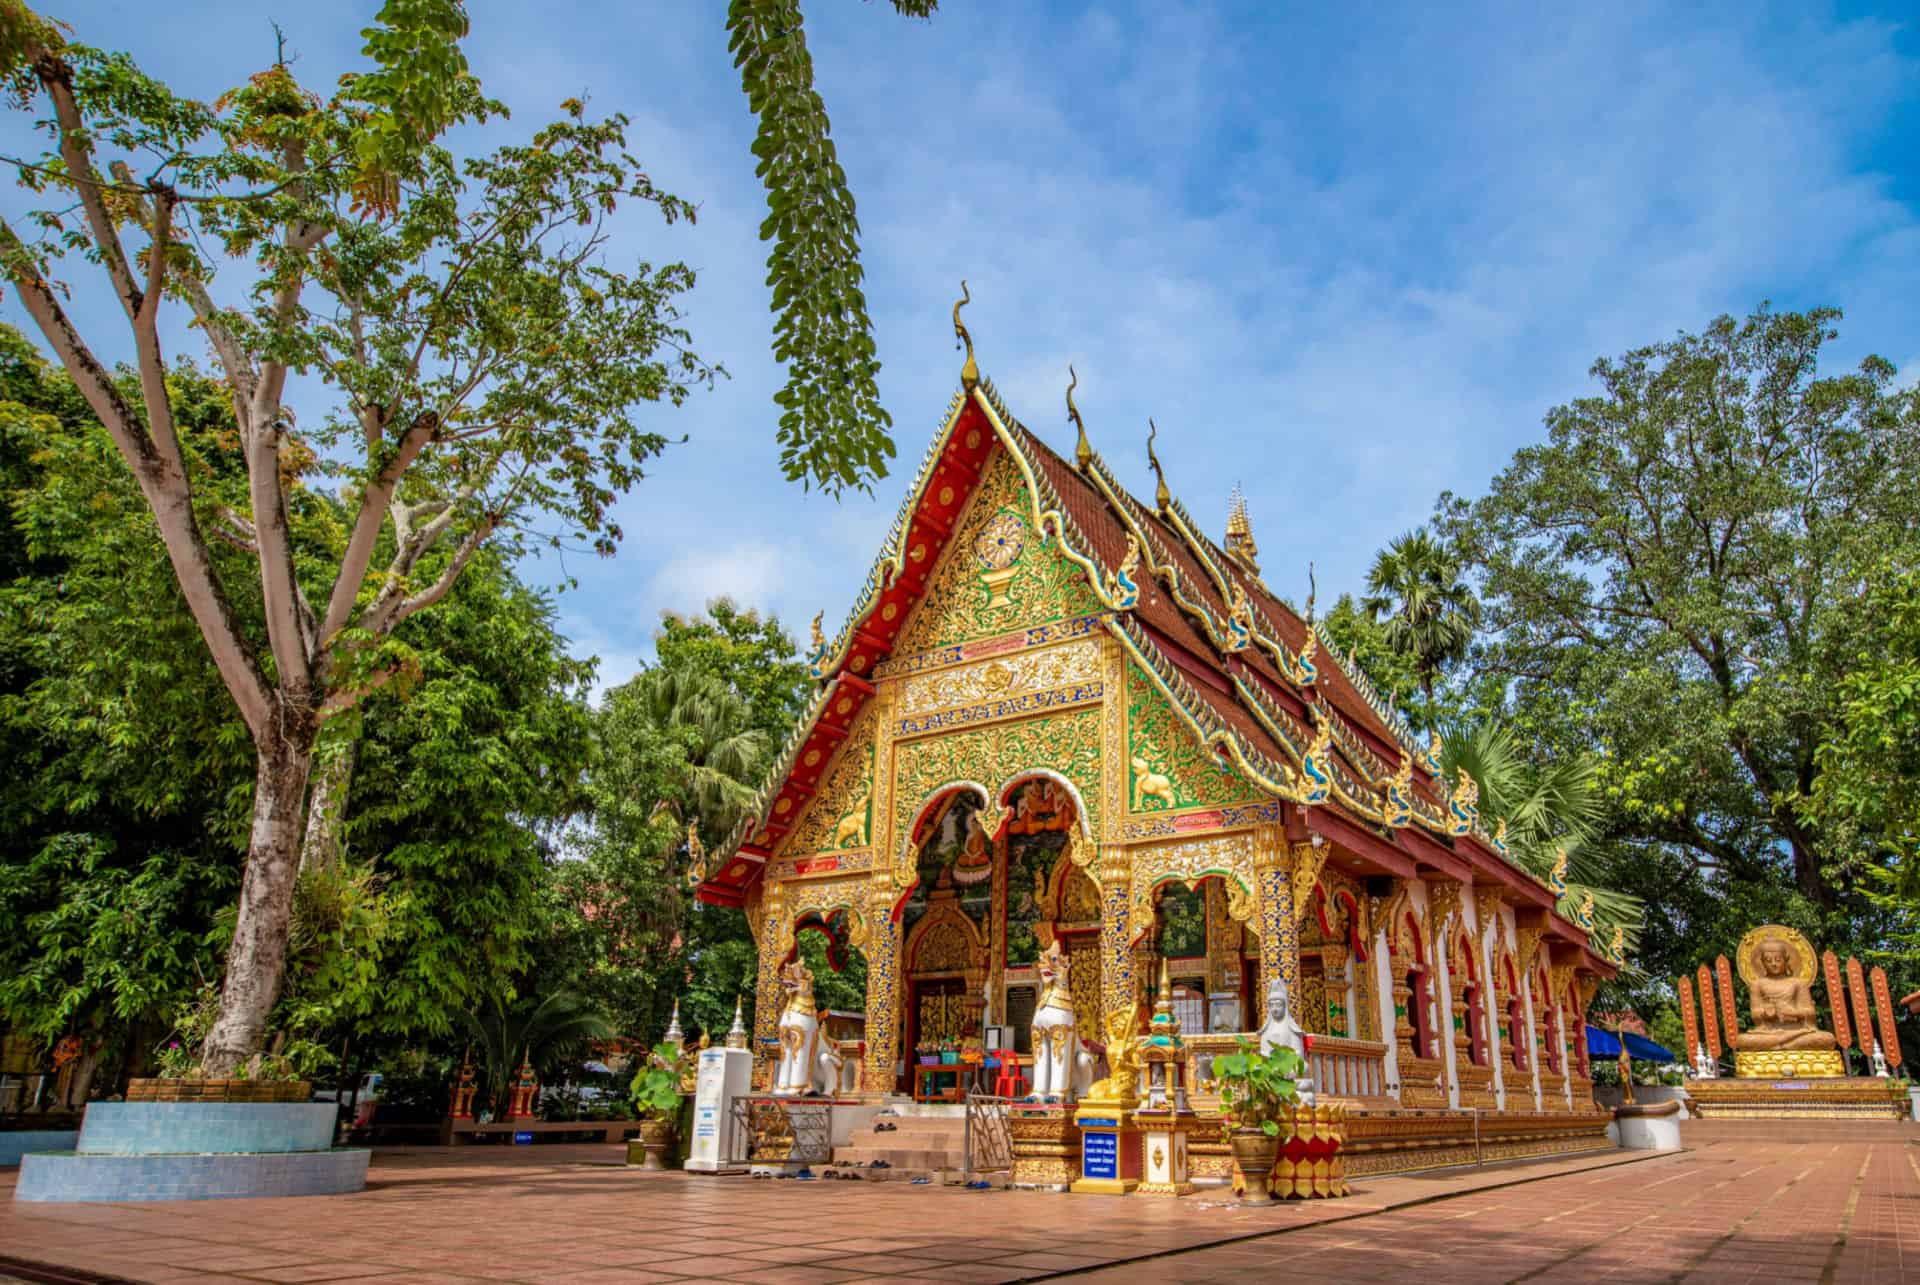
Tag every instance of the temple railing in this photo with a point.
(1345, 1068)
(1341, 1068)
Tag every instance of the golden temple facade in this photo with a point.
(1061, 714)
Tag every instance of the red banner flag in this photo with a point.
(1837, 1001)
(1689, 1018)
(1862, 1007)
(1709, 1027)
(1883, 1007)
(1729, 1021)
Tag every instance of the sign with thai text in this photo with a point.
(1100, 1154)
(522, 1138)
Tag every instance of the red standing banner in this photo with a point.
(1708, 1026)
(1837, 1001)
(1688, 1017)
(1862, 1009)
(1883, 1008)
(1729, 1020)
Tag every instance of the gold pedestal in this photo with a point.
(1787, 1064)
(1109, 1149)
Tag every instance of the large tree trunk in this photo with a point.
(327, 809)
(258, 955)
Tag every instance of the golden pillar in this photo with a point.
(1273, 898)
(1116, 933)
(883, 991)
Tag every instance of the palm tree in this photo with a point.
(724, 753)
(1430, 612)
(1550, 809)
(508, 1037)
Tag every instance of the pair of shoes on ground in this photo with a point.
(886, 1128)
(878, 1164)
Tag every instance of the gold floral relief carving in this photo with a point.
(997, 573)
(1167, 767)
(1079, 897)
(1191, 860)
(823, 897)
(993, 755)
(841, 813)
(1038, 670)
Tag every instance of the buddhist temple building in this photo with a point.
(1062, 713)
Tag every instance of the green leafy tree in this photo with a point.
(539, 1032)
(1663, 577)
(1867, 792)
(1426, 609)
(833, 431)
(128, 804)
(487, 368)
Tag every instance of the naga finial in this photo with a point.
(970, 371)
(1162, 498)
(1313, 589)
(1082, 449)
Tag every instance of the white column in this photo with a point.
(1443, 1009)
(1533, 1049)
(1489, 996)
(1382, 965)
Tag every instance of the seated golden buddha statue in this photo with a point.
(1781, 1003)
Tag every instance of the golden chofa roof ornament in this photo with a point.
(1162, 498)
(1082, 448)
(1240, 543)
(970, 370)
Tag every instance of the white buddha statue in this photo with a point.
(1282, 1031)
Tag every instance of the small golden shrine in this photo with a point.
(1785, 1062)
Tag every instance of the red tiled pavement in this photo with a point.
(1729, 1210)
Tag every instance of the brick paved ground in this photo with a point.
(1732, 1209)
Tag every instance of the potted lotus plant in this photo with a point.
(657, 1097)
(1256, 1090)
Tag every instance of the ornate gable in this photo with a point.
(998, 574)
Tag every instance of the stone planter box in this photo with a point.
(19, 1143)
(188, 1150)
(158, 1090)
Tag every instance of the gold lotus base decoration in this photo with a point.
(1311, 1164)
(1377, 1142)
(1788, 1064)
(1743, 1097)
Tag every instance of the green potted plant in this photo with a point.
(656, 1096)
(1256, 1090)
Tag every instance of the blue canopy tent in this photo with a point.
(1604, 1043)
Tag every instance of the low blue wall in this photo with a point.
(72, 1177)
(15, 1145)
(198, 1128)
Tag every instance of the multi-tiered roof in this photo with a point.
(1254, 682)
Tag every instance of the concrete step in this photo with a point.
(900, 1157)
(909, 1133)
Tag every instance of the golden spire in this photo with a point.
(1082, 449)
(1162, 498)
(1240, 543)
(970, 372)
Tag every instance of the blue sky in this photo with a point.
(1346, 261)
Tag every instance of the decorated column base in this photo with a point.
(1109, 1150)
(1046, 1147)
(1311, 1165)
(1163, 1146)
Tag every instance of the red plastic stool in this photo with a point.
(1009, 1083)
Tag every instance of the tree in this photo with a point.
(1429, 612)
(125, 806)
(832, 427)
(487, 367)
(1665, 575)
(1867, 791)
